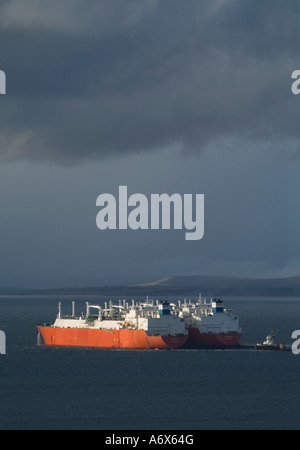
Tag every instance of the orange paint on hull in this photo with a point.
(86, 337)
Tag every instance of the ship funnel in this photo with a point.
(217, 306)
(164, 308)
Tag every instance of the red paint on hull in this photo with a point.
(211, 340)
(86, 337)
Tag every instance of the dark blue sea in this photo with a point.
(43, 388)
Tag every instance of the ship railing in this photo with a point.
(68, 317)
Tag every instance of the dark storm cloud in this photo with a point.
(95, 78)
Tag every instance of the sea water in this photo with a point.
(94, 389)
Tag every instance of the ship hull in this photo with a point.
(196, 339)
(101, 338)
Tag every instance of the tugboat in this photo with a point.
(270, 344)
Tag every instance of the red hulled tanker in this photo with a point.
(209, 325)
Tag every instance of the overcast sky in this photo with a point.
(161, 96)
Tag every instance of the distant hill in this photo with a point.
(192, 285)
(220, 286)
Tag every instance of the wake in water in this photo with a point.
(39, 340)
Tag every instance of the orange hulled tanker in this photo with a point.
(147, 325)
(141, 326)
